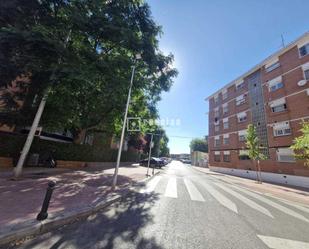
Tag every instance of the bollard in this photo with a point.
(49, 191)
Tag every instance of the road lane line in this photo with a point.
(220, 197)
(171, 188)
(150, 186)
(245, 200)
(273, 204)
(279, 243)
(195, 195)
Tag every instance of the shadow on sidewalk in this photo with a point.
(116, 226)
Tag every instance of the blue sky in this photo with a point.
(213, 43)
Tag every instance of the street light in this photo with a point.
(137, 57)
(149, 156)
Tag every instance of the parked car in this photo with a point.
(186, 161)
(165, 160)
(156, 162)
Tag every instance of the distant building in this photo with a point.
(199, 158)
(274, 97)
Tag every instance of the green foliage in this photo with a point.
(11, 145)
(199, 144)
(252, 143)
(301, 144)
(84, 49)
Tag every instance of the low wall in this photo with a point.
(6, 162)
(79, 164)
(299, 181)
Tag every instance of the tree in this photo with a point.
(301, 144)
(88, 77)
(252, 143)
(199, 144)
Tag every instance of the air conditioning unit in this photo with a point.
(301, 82)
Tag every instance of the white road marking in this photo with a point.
(273, 204)
(195, 195)
(295, 205)
(279, 243)
(245, 200)
(220, 197)
(171, 188)
(150, 186)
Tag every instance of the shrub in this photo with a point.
(11, 145)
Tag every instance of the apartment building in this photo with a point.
(273, 96)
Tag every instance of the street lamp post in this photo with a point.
(149, 157)
(124, 125)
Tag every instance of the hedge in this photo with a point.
(11, 145)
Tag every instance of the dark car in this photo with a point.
(156, 162)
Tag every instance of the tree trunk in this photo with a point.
(256, 170)
(259, 169)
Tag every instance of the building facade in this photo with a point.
(274, 96)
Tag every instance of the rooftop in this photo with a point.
(299, 41)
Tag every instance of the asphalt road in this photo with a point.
(185, 208)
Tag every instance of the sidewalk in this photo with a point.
(76, 191)
(294, 194)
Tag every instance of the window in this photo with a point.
(226, 156)
(276, 87)
(281, 129)
(217, 141)
(242, 135)
(278, 105)
(304, 50)
(279, 108)
(226, 139)
(240, 85)
(242, 117)
(306, 73)
(225, 109)
(275, 84)
(272, 66)
(241, 99)
(217, 156)
(285, 155)
(216, 112)
(224, 94)
(242, 138)
(225, 123)
(217, 128)
(244, 155)
(216, 99)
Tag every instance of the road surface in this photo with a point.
(185, 208)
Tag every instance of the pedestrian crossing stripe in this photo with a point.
(273, 204)
(220, 197)
(245, 200)
(279, 243)
(235, 191)
(171, 188)
(195, 195)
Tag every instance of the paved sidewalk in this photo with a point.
(295, 194)
(75, 190)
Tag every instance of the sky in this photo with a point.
(214, 42)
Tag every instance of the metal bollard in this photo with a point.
(43, 214)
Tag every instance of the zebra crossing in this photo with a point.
(221, 193)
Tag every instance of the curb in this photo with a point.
(34, 227)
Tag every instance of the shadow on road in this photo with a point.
(117, 226)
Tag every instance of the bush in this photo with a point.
(11, 145)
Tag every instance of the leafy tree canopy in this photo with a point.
(252, 143)
(301, 144)
(199, 144)
(84, 50)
